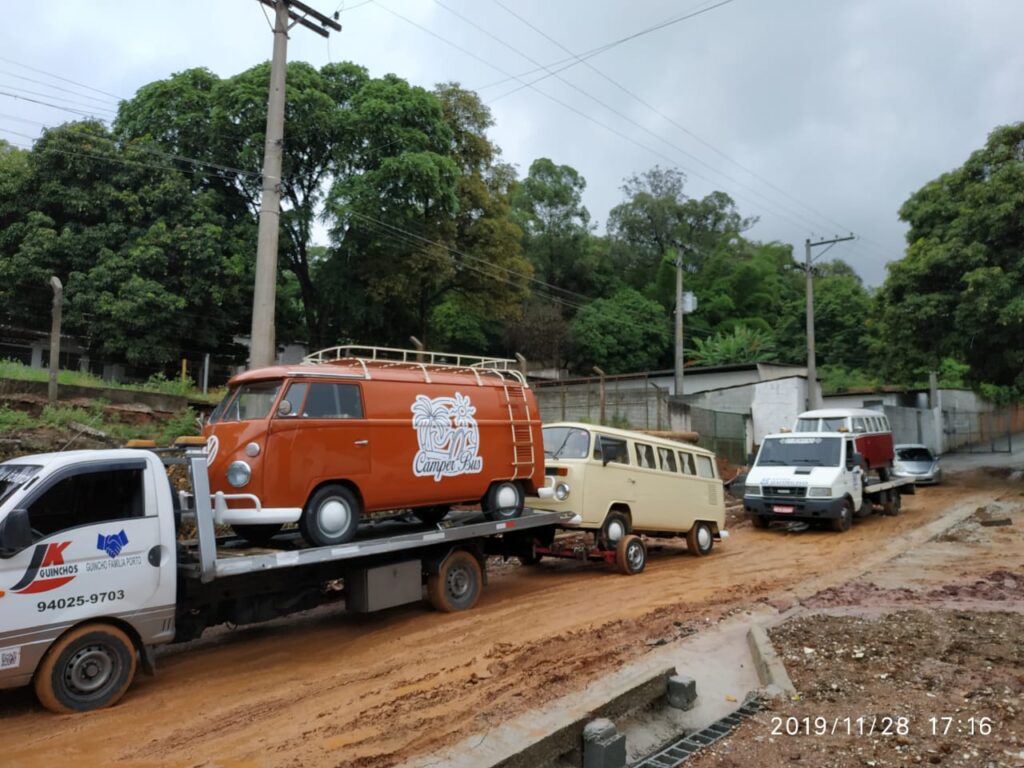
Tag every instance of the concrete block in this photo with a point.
(603, 745)
(682, 692)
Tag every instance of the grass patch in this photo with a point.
(71, 419)
(10, 369)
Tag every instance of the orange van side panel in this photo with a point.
(418, 444)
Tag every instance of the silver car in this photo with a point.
(918, 462)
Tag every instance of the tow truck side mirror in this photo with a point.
(751, 457)
(16, 531)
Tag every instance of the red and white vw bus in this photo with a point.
(871, 431)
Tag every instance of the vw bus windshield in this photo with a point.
(800, 451)
(566, 443)
(13, 476)
(247, 402)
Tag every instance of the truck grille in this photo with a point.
(785, 491)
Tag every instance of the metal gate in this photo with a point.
(722, 432)
(982, 431)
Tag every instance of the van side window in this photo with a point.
(295, 395)
(333, 401)
(704, 467)
(668, 459)
(645, 456)
(686, 463)
(614, 447)
(858, 424)
(88, 498)
(885, 424)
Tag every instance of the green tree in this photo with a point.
(148, 270)
(626, 332)
(957, 293)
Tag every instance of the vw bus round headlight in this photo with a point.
(252, 450)
(239, 473)
(562, 491)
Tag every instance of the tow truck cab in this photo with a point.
(82, 534)
(805, 475)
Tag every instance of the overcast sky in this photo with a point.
(818, 116)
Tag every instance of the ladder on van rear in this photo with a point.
(519, 417)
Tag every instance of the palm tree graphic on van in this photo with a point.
(448, 435)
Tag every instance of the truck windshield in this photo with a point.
(247, 402)
(566, 443)
(13, 476)
(800, 451)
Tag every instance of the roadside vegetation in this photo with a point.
(96, 420)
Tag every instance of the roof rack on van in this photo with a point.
(503, 367)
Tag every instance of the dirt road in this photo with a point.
(329, 689)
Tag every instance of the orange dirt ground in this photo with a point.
(327, 689)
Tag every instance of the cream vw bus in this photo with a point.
(622, 482)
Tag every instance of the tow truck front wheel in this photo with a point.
(845, 519)
(88, 668)
(456, 585)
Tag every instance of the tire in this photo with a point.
(88, 668)
(331, 516)
(893, 504)
(759, 521)
(258, 535)
(456, 585)
(432, 515)
(616, 527)
(845, 519)
(504, 500)
(630, 555)
(700, 539)
(529, 560)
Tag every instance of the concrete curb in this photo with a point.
(770, 669)
(542, 736)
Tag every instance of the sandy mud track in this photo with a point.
(329, 689)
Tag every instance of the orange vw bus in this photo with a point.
(353, 430)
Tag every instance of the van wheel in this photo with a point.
(504, 501)
(331, 516)
(432, 515)
(616, 527)
(845, 519)
(699, 539)
(456, 585)
(258, 535)
(88, 668)
(630, 555)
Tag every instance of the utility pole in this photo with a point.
(262, 342)
(55, 320)
(812, 368)
(679, 325)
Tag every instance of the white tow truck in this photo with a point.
(816, 476)
(94, 573)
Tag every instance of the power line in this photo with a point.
(105, 102)
(62, 79)
(59, 98)
(54, 106)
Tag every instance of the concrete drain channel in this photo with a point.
(677, 752)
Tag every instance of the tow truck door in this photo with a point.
(96, 550)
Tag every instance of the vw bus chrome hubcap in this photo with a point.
(635, 556)
(508, 497)
(703, 538)
(89, 670)
(334, 516)
(615, 531)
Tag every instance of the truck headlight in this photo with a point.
(239, 473)
(562, 491)
(819, 492)
(753, 490)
